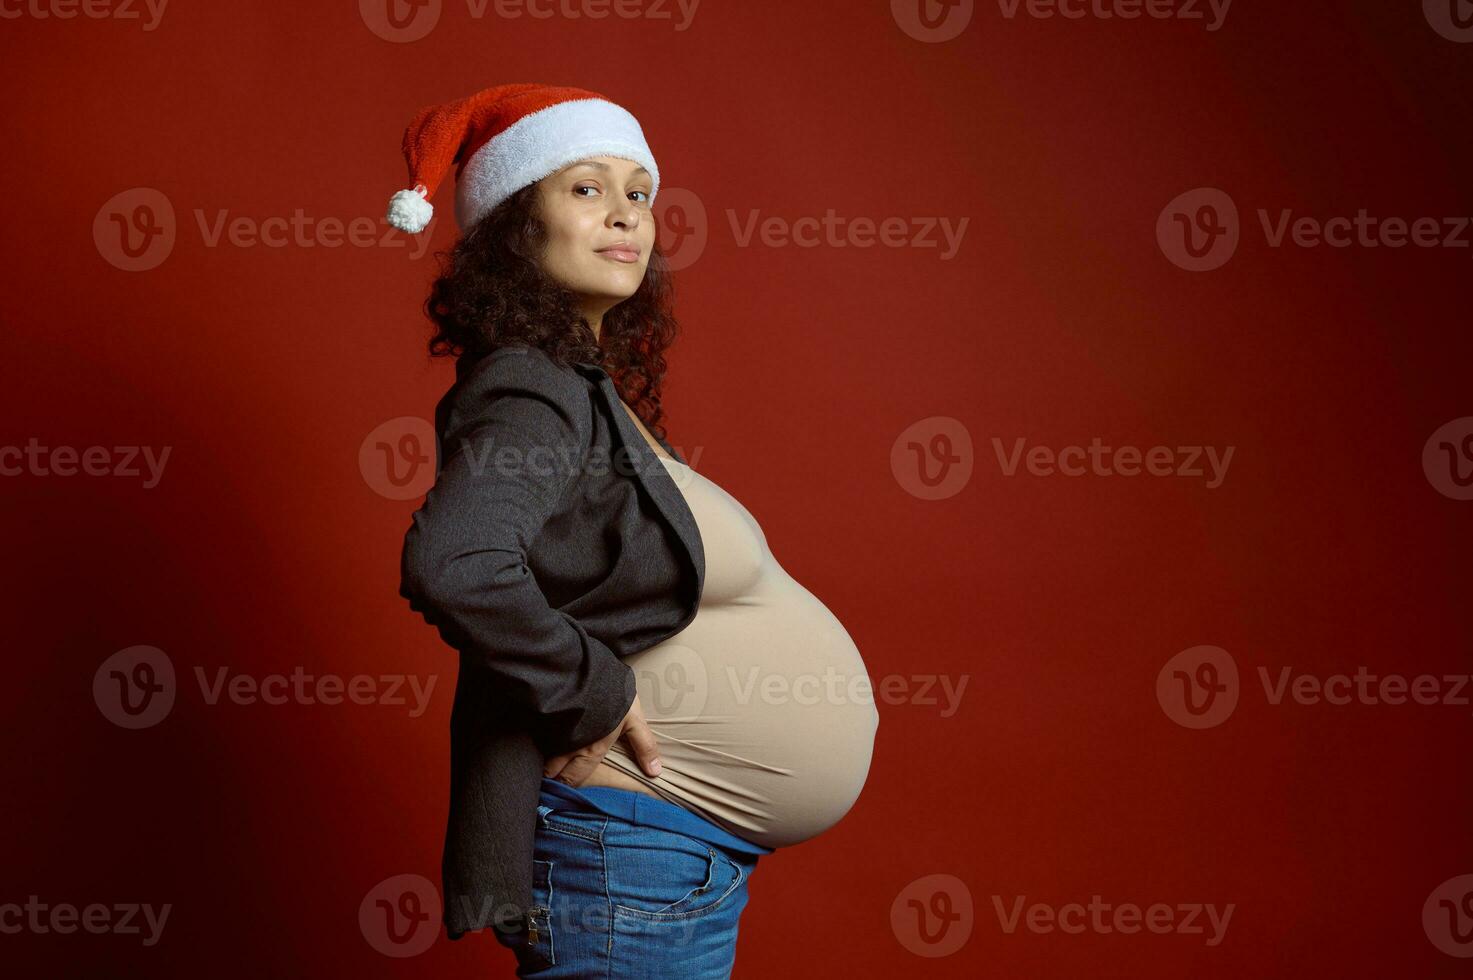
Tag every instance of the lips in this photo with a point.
(621, 252)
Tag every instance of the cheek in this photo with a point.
(574, 237)
(563, 224)
(564, 249)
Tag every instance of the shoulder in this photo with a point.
(518, 382)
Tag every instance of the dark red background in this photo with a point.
(1059, 599)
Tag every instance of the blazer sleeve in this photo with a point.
(514, 445)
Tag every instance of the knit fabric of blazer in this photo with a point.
(552, 544)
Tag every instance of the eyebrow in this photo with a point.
(604, 166)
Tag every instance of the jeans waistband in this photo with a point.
(644, 810)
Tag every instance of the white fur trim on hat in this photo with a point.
(543, 143)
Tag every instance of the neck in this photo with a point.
(595, 317)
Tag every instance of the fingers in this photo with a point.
(578, 769)
(644, 746)
(575, 767)
(572, 768)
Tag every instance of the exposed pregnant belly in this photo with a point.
(762, 709)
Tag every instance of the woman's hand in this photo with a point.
(576, 766)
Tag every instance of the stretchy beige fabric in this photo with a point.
(762, 707)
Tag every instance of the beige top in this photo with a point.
(762, 707)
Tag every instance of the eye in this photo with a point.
(584, 187)
(646, 196)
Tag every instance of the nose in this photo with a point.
(624, 214)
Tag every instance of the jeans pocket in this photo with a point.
(672, 882)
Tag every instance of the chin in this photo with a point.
(622, 287)
(613, 293)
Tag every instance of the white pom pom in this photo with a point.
(409, 211)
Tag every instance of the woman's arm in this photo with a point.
(515, 444)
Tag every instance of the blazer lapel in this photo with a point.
(652, 474)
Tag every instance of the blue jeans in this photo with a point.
(616, 899)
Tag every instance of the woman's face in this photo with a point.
(587, 208)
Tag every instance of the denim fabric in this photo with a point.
(615, 899)
(644, 810)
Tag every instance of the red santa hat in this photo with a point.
(504, 138)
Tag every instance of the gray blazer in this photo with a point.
(552, 544)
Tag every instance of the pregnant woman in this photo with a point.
(647, 702)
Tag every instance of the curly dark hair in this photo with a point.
(491, 291)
